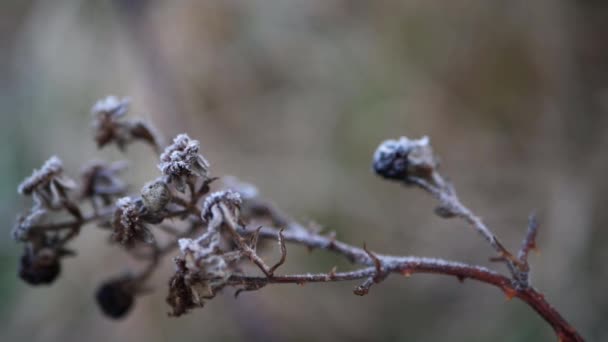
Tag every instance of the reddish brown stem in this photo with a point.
(462, 271)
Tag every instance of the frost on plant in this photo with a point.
(181, 161)
(48, 186)
(111, 127)
(404, 158)
(213, 235)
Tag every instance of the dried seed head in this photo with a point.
(182, 160)
(102, 180)
(48, 186)
(180, 296)
(109, 126)
(53, 167)
(404, 158)
(155, 195)
(231, 199)
(40, 267)
(116, 297)
(128, 224)
(141, 130)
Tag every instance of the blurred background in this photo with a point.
(294, 96)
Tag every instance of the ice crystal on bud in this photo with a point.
(404, 158)
(181, 160)
(47, 185)
(128, 224)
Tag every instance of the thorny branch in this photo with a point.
(224, 223)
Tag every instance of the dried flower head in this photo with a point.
(404, 158)
(116, 297)
(102, 181)
(181, 295)
(109, 126)
(189, 289)
(181, 161)
(22, 229)
(48, 185)
(39, 267)
(128, 224)
(230, 198)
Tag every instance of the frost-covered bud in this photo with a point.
(128, 224)
(155, 195)
(40, 267)
(182, 160)
(116, 297)
(231, 199)
(47, 185)
(404, 158)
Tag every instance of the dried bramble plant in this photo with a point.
(220, 230)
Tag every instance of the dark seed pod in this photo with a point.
(39, 269)
(115, 298)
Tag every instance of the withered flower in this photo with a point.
(180, 296)
(116, 297)
(128, 224)
(189, 289)
(230, 198)
(40, 266)
(101, 181)
(109, 126)
(181, 161)
(405, 158)
(48, 186)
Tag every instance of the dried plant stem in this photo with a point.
(445, 193)
(405, 266)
